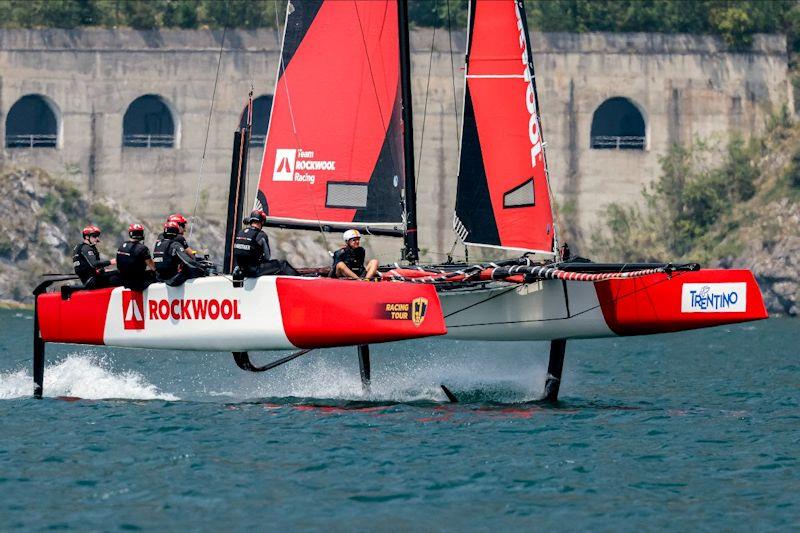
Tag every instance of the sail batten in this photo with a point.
(334, 148)
(503, 199)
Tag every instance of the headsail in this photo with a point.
(503, 196)
(334, 150)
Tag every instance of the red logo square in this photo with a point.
(133, 310)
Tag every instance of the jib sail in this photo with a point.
(503, 196)
(334, 149)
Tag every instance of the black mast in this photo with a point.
(411, 248)
(241, 143)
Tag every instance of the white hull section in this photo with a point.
(253, 320)
(544, 310)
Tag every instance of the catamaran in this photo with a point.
(339, 155)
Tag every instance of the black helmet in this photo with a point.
(257, 215)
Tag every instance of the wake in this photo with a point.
(82, 376)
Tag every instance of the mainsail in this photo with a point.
(503, 197)
(333, 156)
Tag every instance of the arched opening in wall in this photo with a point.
(262, 107)
(148, 123)
(32, 122)
(618, 125)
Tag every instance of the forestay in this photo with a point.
(503, 195)
(334, 150)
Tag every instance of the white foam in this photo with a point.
(82, 376)
(402, 380)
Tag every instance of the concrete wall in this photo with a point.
(685, 86)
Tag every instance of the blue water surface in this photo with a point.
(697, 430)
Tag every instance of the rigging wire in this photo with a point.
(453, 75)
(208, 125)
(425, 109)
(282, 75)
(372, 78)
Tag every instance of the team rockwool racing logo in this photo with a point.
(193, 309)
(714, 297)
(299, 165)
(132, 310)
(284, 164)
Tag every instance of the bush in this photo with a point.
(683, 205)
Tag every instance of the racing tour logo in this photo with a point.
(414, 311)
(299, 165)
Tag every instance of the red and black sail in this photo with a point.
(503, 196)
(334, 149)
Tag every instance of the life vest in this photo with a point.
(247, 251)
(83, 268)
(131, 258)
(166, 264)
(352, 258)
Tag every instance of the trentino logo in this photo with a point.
(132, 306)
(714, 298)
(284, 164)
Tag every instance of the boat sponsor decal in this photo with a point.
(530, 95)
(714, 298)
(419, 306)
(414, 311)
(132, 310)
(299, 165)
(193, 309)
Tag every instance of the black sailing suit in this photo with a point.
(132, 259)
(173, 264)
(251, 253)
(89, 267)
(353, 258)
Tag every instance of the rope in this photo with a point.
(453, 77)
(425, 110)
(514, 274)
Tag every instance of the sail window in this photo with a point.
(148, 123)
(32, 122)
(346, 195)
(520, 196)
(618, 125)
(262, 107)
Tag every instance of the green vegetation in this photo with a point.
(734, 20)
(693, 210)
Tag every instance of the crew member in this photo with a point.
(251, 251)
(88, 265)
(173, 265)
(348, 261)
(136, 267)
(181, 221)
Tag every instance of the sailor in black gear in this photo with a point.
(88, 265)
(181, 221)
(173, 264)
(348, 261)
(251, 251)
(136, 267)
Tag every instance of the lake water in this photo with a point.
(684, 431)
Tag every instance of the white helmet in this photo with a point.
(351, 234)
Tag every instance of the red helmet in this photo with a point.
(171, 228)
(257, 215)
(136, 231)
(177, 218)
(91, 231)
